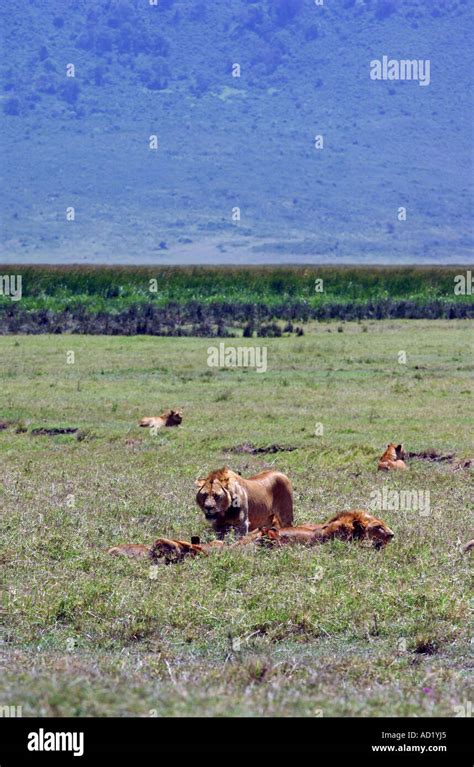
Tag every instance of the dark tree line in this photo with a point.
(216, 319)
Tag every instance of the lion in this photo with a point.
(469, 546)
(346, 526)
(171, 551)
(393, 458)
(357, 525)
(168, 418)
(230, 502)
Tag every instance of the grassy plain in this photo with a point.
(334, 630)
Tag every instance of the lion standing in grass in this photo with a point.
(230, 502)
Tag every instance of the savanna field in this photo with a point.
(339, 629)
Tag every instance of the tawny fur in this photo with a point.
(171, 551)
(347, 526)
(168, 418)
(230, 502)
(392, 459)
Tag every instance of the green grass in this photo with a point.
(89, 634)
(115, 289)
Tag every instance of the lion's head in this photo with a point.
(376, 531)
(173, 417)
(214, 496)
(394, 453)
(358, 525)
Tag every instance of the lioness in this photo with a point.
(171, 551)
(168, 418)
(392, 459)
(356, 525)
(230, 502)
(347, 526)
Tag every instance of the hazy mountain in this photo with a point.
(227, 142)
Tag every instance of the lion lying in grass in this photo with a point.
(347, 526)
(230, 502)
(168, 418)
(393, 459)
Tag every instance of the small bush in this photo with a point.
(248, 330)
(200, 86)
(272, 330)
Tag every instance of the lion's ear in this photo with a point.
(199, 482)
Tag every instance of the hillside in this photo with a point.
(226, 142)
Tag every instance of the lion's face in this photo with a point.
(375, 530)
(214, 498)
(390, 453)
(358, 525)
